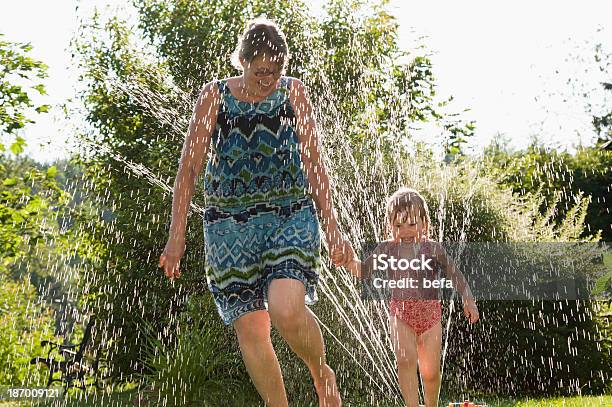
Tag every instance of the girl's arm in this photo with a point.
(458, 279)
(469, 304)
(193, 157)
(355, 267)
(314, 170)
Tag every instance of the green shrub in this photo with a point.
(199, 365)
(560, 178)
(25, 323)
(510, 350)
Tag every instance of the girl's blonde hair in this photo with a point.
(261, 35)
(407, 201)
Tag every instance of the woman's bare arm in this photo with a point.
(193, 157)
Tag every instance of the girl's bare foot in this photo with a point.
(327, 389)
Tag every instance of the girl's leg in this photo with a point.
(428, 348)
(298, 326)
(404, 344)
(253, 330)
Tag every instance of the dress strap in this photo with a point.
(222, 85)
(224, 92)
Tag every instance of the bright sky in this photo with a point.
(506, 61)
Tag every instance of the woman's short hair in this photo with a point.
(261, 35)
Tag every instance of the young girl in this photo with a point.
(415, 315)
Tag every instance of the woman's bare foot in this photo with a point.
(327, 389)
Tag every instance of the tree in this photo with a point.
(15, 100)
(30, 201)
(21, 210)
(560, 178)
(22, 214)
(603, 123)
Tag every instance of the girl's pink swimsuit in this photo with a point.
(419, 308)
(420, 315)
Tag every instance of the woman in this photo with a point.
(260, 224)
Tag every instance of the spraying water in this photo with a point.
(363, 173)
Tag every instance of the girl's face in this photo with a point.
(408, 228)
(262, 73)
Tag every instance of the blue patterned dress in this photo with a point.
(260, 223)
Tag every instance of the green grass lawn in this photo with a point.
(554, 402)
(124, 399)
(569, 402)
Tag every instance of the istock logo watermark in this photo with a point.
(384, 262)
(489, 270)
(422, 263)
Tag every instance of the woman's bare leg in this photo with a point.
(428, 349)
(404, 342)
(298, 326)
(253, 330)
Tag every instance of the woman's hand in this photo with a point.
(471, 310)
(336, 255)
(341, 253)
(170, 259)
(345, 255)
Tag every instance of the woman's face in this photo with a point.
(262, 73)
(408, 227)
